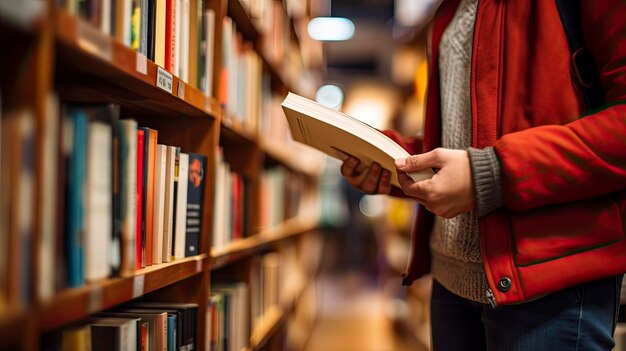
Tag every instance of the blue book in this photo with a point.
(171, 332)
(195, 203)
(77, 127)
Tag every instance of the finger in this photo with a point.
(432, 159)
(415, 189)
(348, 168)
(384, 186)
(370, 183)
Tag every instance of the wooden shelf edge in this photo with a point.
(246, 247)
(283, 154)
(267, 327)
(74, 304)
(135, 68)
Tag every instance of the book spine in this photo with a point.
(140, 231)
(170, 35)
(99, 201)
(76, 125)
(195, 205)
(169, 203)
(159, 204)
(181, 206)
(128, 192)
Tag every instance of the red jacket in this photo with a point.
(563, 177)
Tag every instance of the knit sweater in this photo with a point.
(455, 245)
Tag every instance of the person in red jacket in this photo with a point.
(523, 225)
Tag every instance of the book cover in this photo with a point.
(341, 136)
(157, 323)
(76, 338)
(186, 321)
(171, 332)
(195, 203)
(151, 28)
(127, 169)
(140, 234)
(159, 203)
(75, 126)
(195, 12)
(170, 35)
(180, 220)
(160, 40)
(117, 334)
(49, 197)
(98, 202)
(149, 173)
(169, 205)
(18, 145)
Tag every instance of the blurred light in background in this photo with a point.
(330, 95)
(372, 206)
(373, 104)
(404, 62)
(331, 28)
(414, 12)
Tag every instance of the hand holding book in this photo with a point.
(449, 192)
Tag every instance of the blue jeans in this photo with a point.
(578, 318)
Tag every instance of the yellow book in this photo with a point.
(159, 37)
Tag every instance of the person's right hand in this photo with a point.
(373, 180)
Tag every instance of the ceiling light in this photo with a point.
(331, 28)
(330, 95)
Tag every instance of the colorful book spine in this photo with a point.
(140, 231)
(128, 192)
(75, 125)
(195, 203)
(180, 220)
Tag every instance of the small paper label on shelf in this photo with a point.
(95, 299)
(164, 80)
(142, 64)
(207, 105)
(92, 40)
(199, 266)
(181, 90)
(138, 284)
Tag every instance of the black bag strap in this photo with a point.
(583, 67)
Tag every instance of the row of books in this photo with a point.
(109, 199)
(129, 201)
(240, 77)
(232, 201)
(228, 316)
(236, 309)
(177, 35)
(140, 326)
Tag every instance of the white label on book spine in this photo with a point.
(138, 284)
(181, 90)
(95, 299)
(142, 64)
(164, 80)
(92, 40)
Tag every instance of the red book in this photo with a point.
(152, 139)
(170, 34)
(140, 260)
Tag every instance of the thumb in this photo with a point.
(414, 163)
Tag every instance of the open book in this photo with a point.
(341, 136)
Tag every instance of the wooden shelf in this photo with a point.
(75, 304)
(234, 130)
(281, 153)
(267, 327)
(249, 246)
(245, 25)
(93, 67)
(12, 325)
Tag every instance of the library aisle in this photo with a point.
(353, 316)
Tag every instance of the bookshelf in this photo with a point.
(57, 59)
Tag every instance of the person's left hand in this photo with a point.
(449, 192)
